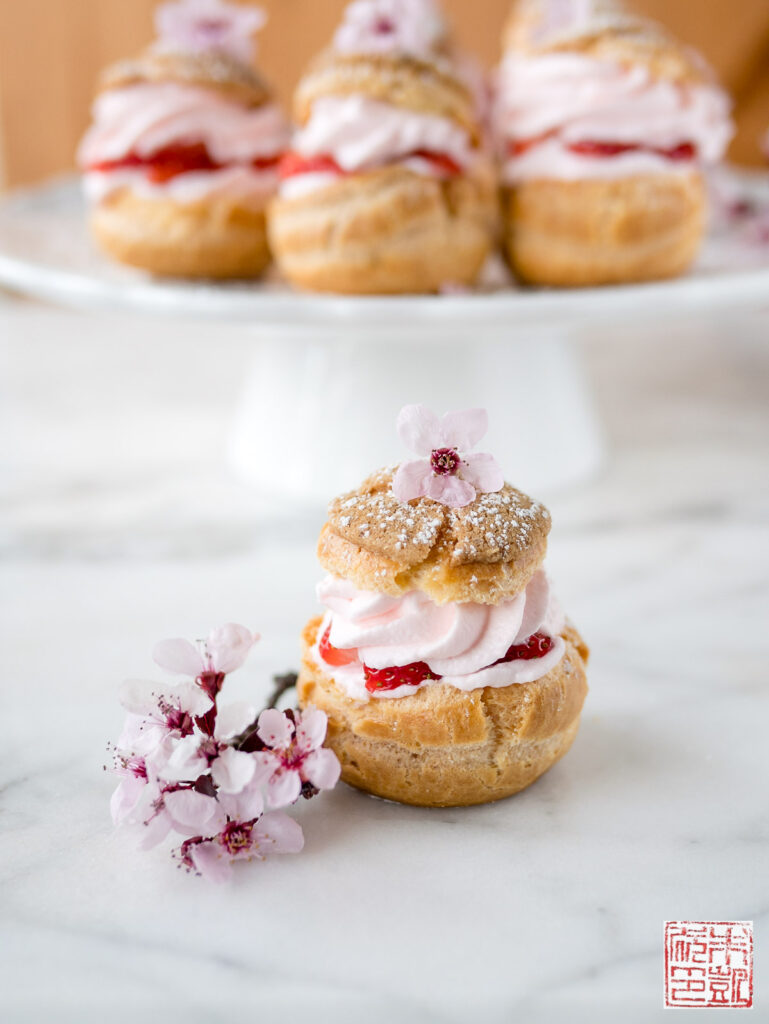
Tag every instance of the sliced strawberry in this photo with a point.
(597, 149)
(441, 161)
(518, 147)
(402, 675)
(536, 646)
(335, 655)
(292, 164)
(172, 161)
(684, 151)
(602, 149)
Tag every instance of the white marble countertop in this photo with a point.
(120, 526)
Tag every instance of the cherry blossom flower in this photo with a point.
(295, 754)
(449, 473)
(210, 660)
(190, 767)
(206, 26)
(242, 840)
(391, 26)
(202, 753)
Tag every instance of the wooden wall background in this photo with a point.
(51, 52)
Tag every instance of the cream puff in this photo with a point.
(182, 155)
(604, 124)
(447, 669)
(387, 187)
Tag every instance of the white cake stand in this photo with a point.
(330, 373)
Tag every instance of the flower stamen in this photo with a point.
(445, 461)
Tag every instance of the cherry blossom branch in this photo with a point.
(218, 775)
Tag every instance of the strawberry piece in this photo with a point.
(334, 655)
(684, 151)
(292, 164)
(441, 161)
(172, 161)
(536, 646)
(401, 675)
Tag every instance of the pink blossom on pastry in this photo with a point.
(208, 26)
(414, 27)
(449, 473)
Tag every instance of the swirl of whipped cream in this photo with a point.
(360, 134)
(412, 27)
(460, 642)
(550, 102)
(146, 118)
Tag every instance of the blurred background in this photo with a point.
(51, 52)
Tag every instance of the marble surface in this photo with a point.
(121, 526)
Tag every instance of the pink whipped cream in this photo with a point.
(147, 118)
(360, 134)
(548, 103)
(460, 642)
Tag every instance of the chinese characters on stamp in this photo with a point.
(708, 963)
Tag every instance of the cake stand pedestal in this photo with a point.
(318, 408)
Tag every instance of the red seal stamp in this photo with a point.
(708, 963)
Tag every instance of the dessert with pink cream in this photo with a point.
(566, 108)
(351, 133)
(448, 671)
(387, 187)
(381, 646)
(604, 124)
(182, 155)
(387, 646)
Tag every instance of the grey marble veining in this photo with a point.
(120, 526)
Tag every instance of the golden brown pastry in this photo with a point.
(183, 152)
(443, 660)
(387, 188)
(603, 125)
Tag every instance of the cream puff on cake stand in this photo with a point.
(330, 360)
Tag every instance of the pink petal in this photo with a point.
(278, 833)
(283, 788)
(229, 646)
(322, 768)
(211, 861)
(233, 719)
(139, 696)
(140, 735)
(412, 479)
(275, 729)
(179, 657)
(190, 698)
(125, 798)
(233, 770)
(483, 472)
(418, 427)
(451, 491)
(153, 831)
(311, 729)
(184, 763)
(190, 810)
(266, 764)
(463, 429)
(243, 806)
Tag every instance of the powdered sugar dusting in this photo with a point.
(496, 527)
